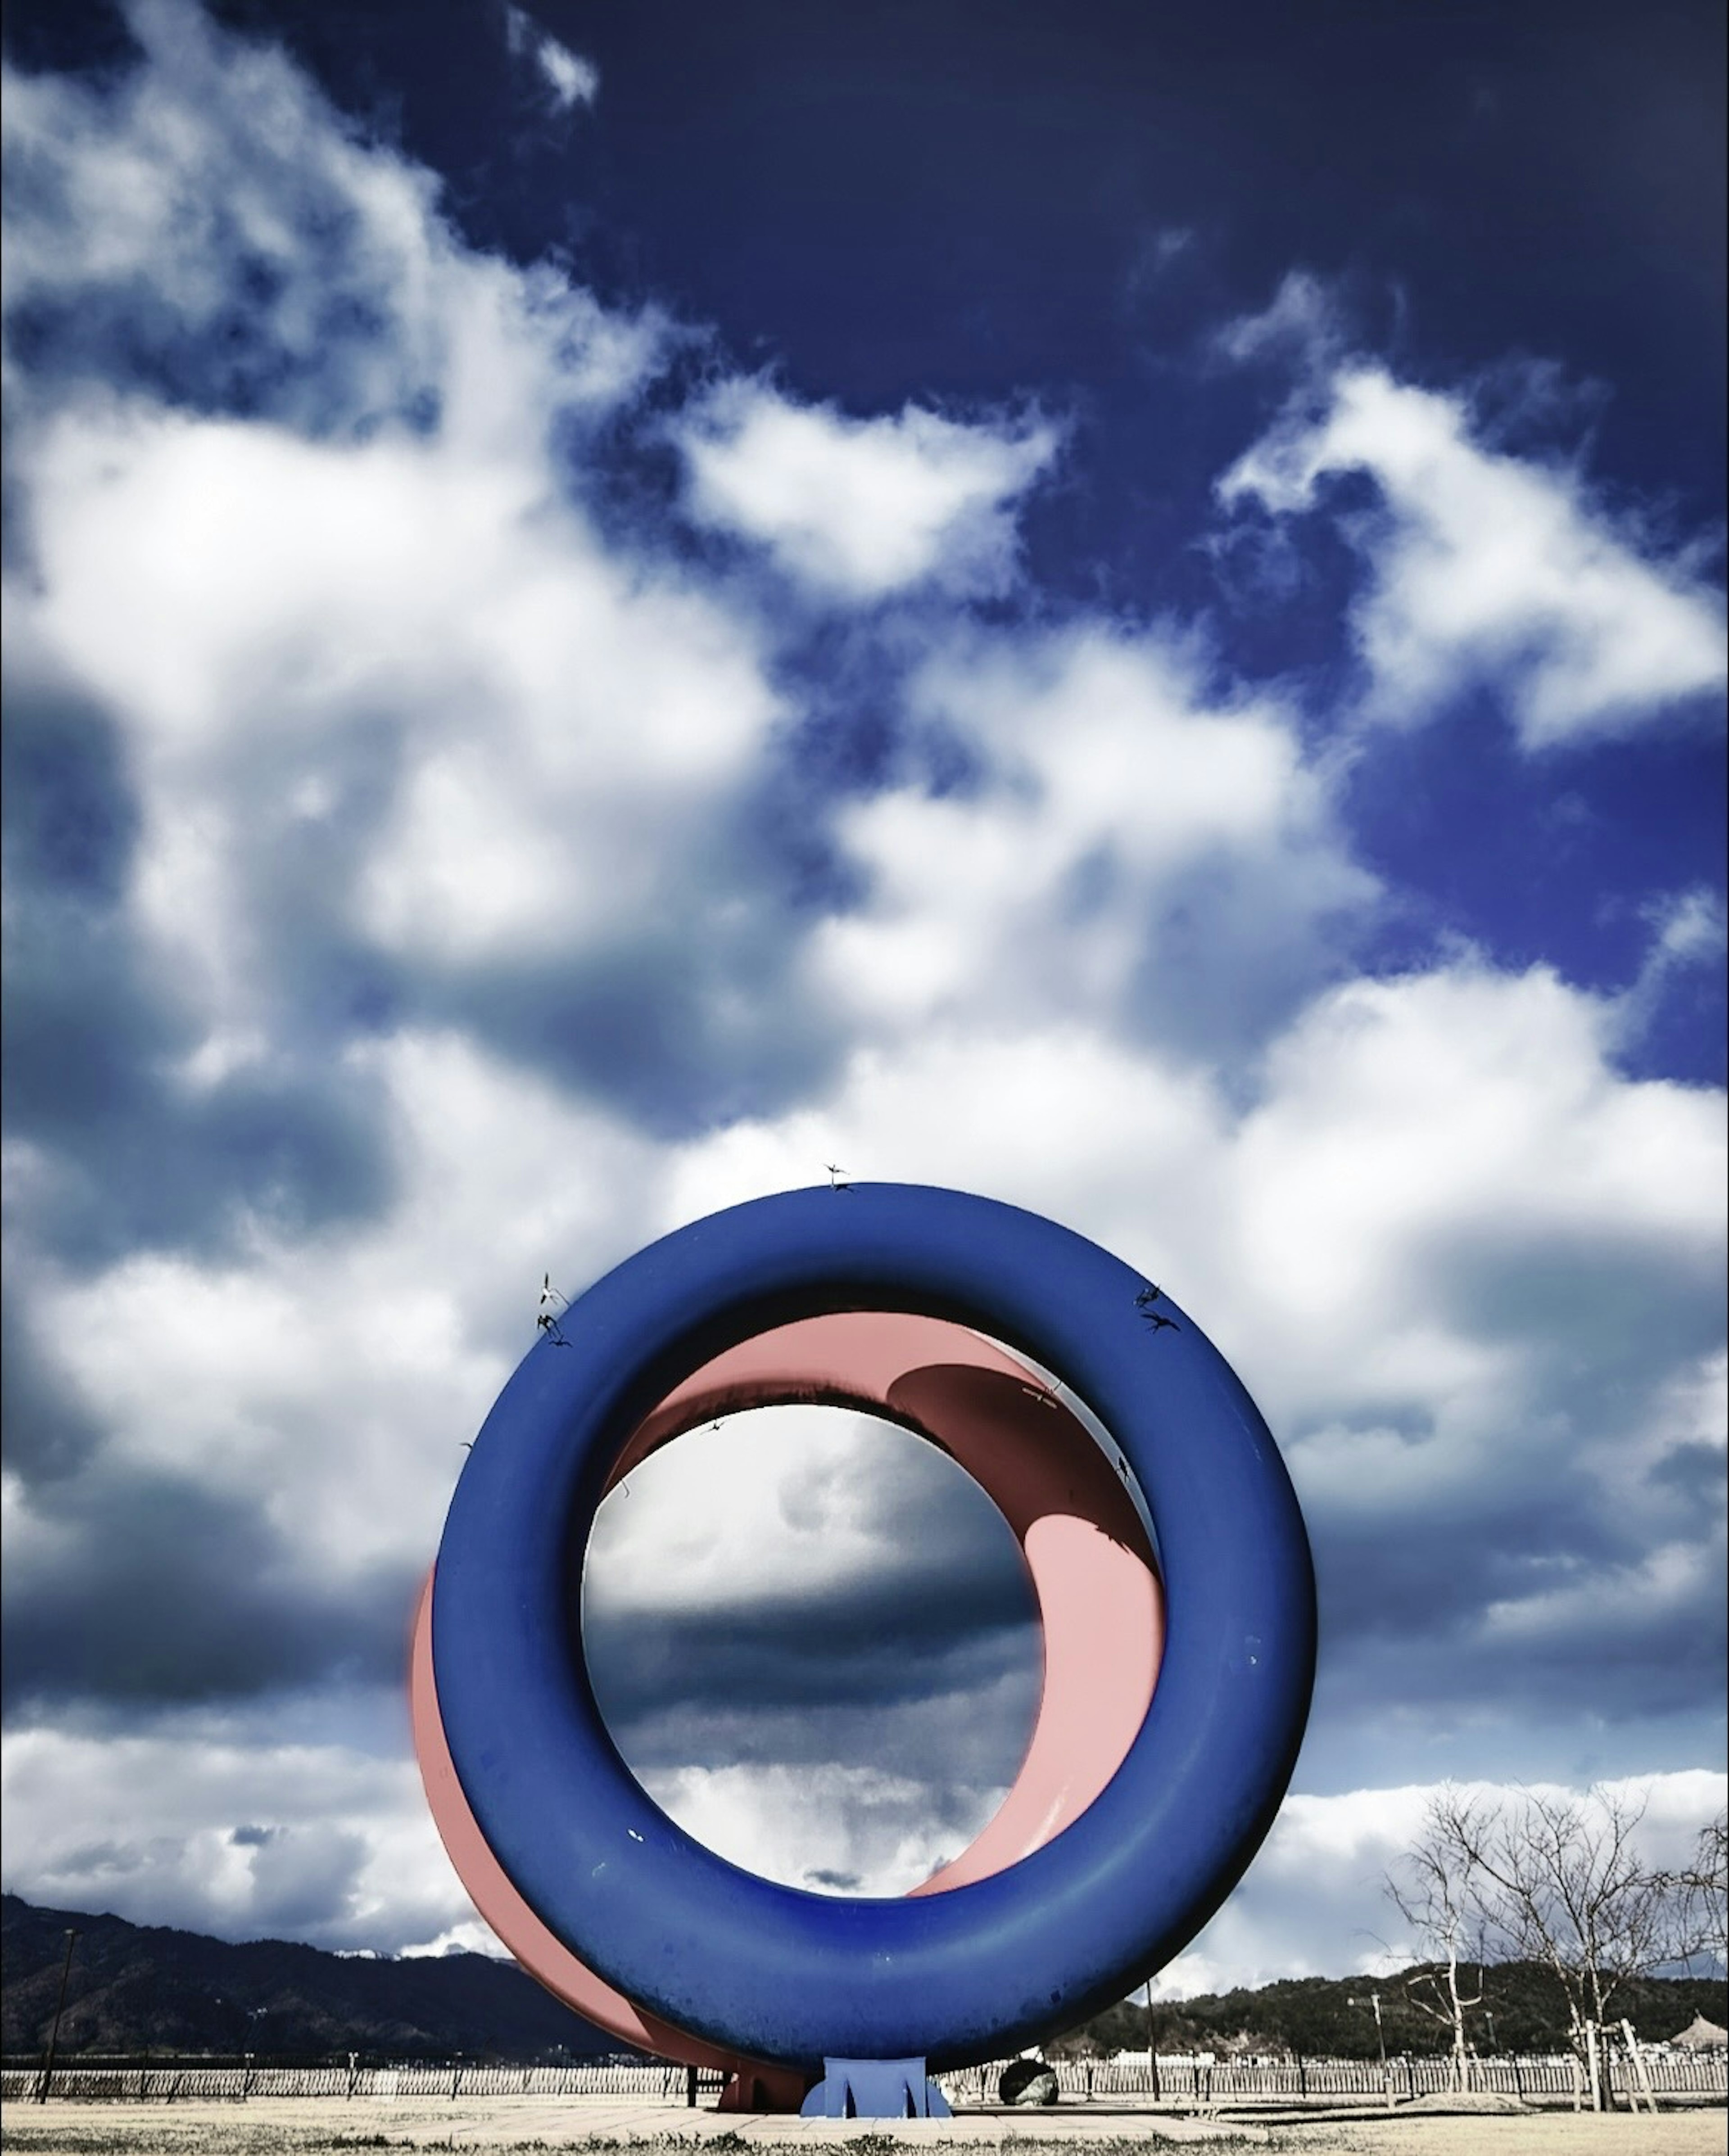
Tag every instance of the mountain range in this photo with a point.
(138, 1988)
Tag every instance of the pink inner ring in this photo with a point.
(1101, 1603)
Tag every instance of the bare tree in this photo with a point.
(1562, 1880)
(1703, 1888)
(1433, 1887)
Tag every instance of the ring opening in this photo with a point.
(814, 1640)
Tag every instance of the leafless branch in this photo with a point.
(1551, 1878)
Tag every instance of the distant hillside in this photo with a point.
(1521, 2010)
(140, 1988)
(136, 1988)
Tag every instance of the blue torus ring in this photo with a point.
(766, 1970)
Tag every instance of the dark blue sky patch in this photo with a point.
(968, 1731)
(881, 1646)
(70, 813)
(139, 1156)
(1695, 1471)
(49, 1433)
(168, 1592)
(1518, 852)
(638, 1027)
(1641, 1305)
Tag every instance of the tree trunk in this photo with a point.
(1457, 2014)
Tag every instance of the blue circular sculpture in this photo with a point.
(768, 1971)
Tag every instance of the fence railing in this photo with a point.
(1180, 2081)
(154, 2084)
(1190, 2081)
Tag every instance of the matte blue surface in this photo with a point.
(768, 1970)
(875, 2088)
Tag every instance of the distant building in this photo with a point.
(1166, 2059)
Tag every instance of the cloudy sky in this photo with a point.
(605, 605)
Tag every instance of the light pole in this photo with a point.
(1153, 2054)
(54, 2034)
(1380, 2040)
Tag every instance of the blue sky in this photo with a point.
(606, 604)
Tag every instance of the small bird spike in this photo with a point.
(547, 1318)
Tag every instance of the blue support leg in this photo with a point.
(875, 2088)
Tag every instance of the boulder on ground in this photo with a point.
(1027, 2081)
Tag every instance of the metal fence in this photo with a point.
(220, 2082)
(1180, 2082)
(1187, 2081)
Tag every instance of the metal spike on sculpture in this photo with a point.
(1162, 1747)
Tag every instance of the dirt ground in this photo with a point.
(512, 2126)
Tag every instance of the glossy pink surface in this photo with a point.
(1100, 1603)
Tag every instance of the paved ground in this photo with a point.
(311, 2126)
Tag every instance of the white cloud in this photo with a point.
(1688, 940)
(1666, 1582)
(1130, 844)
(786, 1500)
(330, 1383)
(1312, 1903)
(851, 1830)
(570, 78)
(443, 674)
(214, 1826)
(1405, 1130)
(1469, 1271)
(1414, 1129)
(392, 540)
(1486, 570)
(1301, 321)
(228, 1832)
(209, 217)
(857, 509)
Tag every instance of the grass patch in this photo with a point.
(235, 2135)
